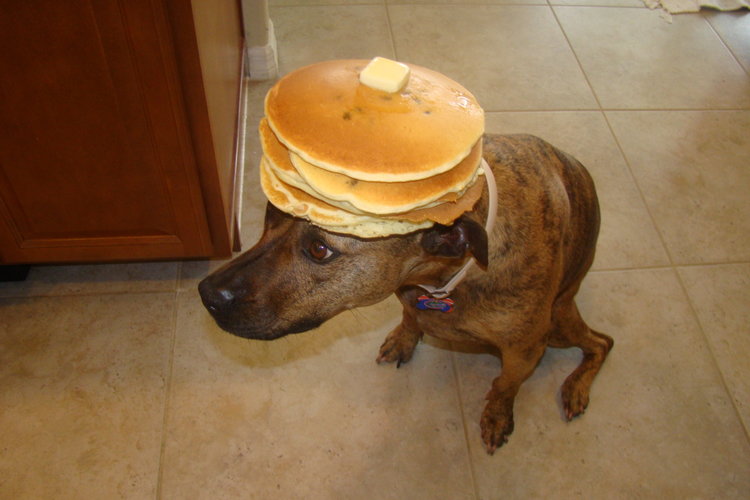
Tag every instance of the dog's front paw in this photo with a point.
(398, 346)
(496, 425)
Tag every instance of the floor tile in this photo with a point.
(305, 3)
(509, 57)
(734, 30)
(600, 3)
(95, 278)
(468, 2)
(338, 32)
(692, 169)
(82, 392)
(627, 237)
(720, 295)
(635, 59)
(311, 415)
(660, 423)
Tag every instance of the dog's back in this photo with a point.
(548, 207)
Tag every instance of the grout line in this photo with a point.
(390, 32)
(633, 177)
(87, 294)
(712, 353)
(658, 267)
(603, 109)
(184, 289)
(538, 3)
(458, 3)
(714, 264)
(464, 424)
(167, 398)
(642, 6)
(575, 55)
(343, 3)
(327, 4)
(630, 269)
(724, 42)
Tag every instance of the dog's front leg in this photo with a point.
(399, 345)
(519, 363)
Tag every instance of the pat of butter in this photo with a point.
(384, 74)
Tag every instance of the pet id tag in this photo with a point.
(425, 303)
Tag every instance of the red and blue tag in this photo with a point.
(425, 303)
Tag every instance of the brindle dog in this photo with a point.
(519, 299)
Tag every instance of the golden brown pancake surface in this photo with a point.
(325, 115)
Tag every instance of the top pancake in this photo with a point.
(326, 116)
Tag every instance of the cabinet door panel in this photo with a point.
(95, 157)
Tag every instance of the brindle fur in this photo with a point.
(534, 260)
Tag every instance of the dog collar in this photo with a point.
(445, 290)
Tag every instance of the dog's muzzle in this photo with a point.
(229, 309)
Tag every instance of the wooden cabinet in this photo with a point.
(118, 124)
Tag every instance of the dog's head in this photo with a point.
(299, 275)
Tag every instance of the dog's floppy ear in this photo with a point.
(454, 240)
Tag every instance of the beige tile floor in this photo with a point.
(114, 382)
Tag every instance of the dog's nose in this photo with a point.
(215, 298)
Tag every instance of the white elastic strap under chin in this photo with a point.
(445, 290)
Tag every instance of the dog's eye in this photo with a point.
(319, 251)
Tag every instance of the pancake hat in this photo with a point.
(371, 148)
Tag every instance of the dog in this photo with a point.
(519, 298)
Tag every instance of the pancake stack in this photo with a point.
(369, 162)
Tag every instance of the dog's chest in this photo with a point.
(459, 323)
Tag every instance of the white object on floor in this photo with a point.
(682, 6)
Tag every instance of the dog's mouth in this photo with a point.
(257, 331)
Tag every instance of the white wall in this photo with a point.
(260, 41)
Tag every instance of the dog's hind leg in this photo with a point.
(569, 330)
